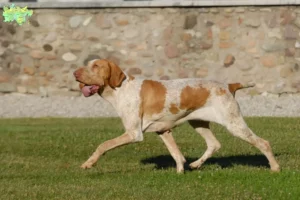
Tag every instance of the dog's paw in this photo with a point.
(195, 165)
(275, 168)
(86, 165)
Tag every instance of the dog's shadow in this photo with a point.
(166, 161)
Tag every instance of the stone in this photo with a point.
(225, 45)
(4, 77)
(36, 54)
(147, 54)
(198, 34)
(11, 29)
(51, 37)
(114, 59)
(134, 71)
(285, 71)
(296, 67)
(112, 36)
(89, 58)
(121, 22)
(2, 51)
(29, 70)
(182, 73)
(190, 21)
(5, 43)
(244, 65)
(168, 32)
(265, 9)
(33, 22)
(212, 56)
(131, 33)
(20, 50)
(297, 45)
(240, 20)
(43, 74)
(27, 34)
(171, 51)
(96, 47)
(160, 71)
(224, 35)
(148, 72)
(75, 47)
(229, 60)
(290, 33)
(297, 22)
(271, 45)
(224, 23)
(77, 35)
(92, 36)
(30, 45)
(165, 77)
(130, 62)
(287, 17)
(271, 20)
(201, 73)
(87, 21)
(21, 89)
(32, 90)
(290, 52)
(43, 91)
(51, 56)
(206, 45)
(8, 87)
(103, 22)
(47, 47)
(186, 37)
(209, 23)
(69, 57)
(214, 10)
(268, 60)
(75, 21)
(240, 10)
(253, 22)
(209, 33)
(275, 33)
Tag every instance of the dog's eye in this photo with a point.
(95, 67)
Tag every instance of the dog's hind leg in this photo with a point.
(240, 129)
(171, 145)
(213, 145)
(233, 120)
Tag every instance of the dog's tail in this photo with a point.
(233, 87)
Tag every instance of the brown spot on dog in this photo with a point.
(192, 98)
(233, 87)
(220, 91)
(173, 108)
(153, 97)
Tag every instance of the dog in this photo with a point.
(146, 105)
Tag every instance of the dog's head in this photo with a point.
(98, 75)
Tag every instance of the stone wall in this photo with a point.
(259, 44)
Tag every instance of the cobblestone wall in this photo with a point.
(259, 44)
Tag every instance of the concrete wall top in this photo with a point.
(142, 3)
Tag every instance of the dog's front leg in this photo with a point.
(126, 138)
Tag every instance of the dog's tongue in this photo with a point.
(89, 90)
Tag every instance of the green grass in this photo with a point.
(40, 159)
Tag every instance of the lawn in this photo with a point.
(40, 159)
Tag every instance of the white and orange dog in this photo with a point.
(158, 106)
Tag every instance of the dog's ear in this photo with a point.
(116, 75)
